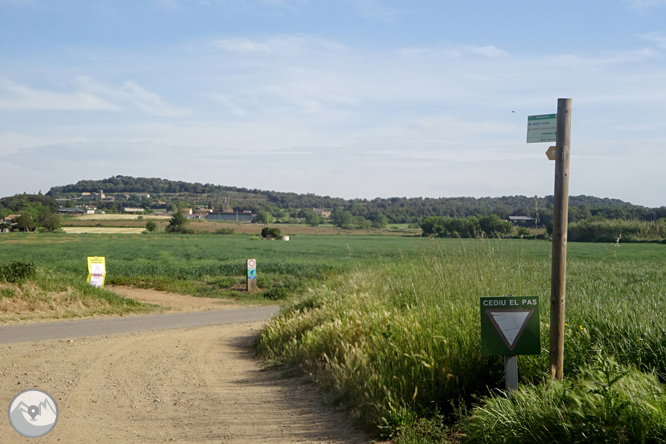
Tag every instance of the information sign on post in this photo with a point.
(96, 271)
(541, 128)
(251, 278)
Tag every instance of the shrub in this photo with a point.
(151, 226)
(522, 231)
(17, 271)
(266, 232)
(276, 293)
(616, 230)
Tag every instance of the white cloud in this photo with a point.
(90, 95)
(285, 45)
(171, 5)
(14, 96)
(131, 95)
(488, 51)
(657, 38)
(645, 4)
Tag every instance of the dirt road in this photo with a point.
(194, 385)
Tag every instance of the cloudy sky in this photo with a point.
(346, 98)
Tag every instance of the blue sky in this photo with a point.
(347, 98)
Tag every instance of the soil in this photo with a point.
(174, 301)
(196, 385)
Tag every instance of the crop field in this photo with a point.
(102, 230)
(390, 324)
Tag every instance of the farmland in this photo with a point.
(390, 324)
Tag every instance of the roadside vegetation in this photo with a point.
(400, 345)
(390, 324)
(30, 292)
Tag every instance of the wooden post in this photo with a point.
(511, 373)
(251, 275)
(560, 227)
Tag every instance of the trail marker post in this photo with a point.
(560, 226)
(539, 129)
(251, 275)
(510, 327)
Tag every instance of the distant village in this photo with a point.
(94, 202)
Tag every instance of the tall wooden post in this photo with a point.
(560, 226)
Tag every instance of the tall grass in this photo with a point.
(403, 340)
(405, 337)
(604, 403)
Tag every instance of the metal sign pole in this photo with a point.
(560, 226)
(511, 373)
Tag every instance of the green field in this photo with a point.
(391, 324)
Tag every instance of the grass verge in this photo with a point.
(48, 295)
(400, 343)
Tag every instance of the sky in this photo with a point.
(343, 98)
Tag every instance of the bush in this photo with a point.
(522, 231)
(151, 226)
(17, 271)
(276, 293)
(275, 233)
(616, 230)
(224, 230)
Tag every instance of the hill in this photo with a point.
(395, 209)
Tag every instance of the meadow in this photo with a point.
(390, 324)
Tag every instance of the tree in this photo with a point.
(342, 218)
(49, 221)
(265, 217)
(25, 222)
(380, 221)
(178, 224)
(312, 219)
(151, 226)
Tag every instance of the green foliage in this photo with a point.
(604, 403)
(29, 203)
(178, 224)
(224, 230)
(342, 218)
(492, 226)
(488, 226)
(405, 337)
(602, 230)
(276, 293)
(265, 217)
(151, 226)
(49, 221)
(275, 233)
(312, 219)
(25, 222)
(17, 271)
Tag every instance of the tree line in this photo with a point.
(282, 206)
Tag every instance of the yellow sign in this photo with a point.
(551, 153)
(96, 271)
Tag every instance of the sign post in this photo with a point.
(510, 327)
(251, 275)
(560, 226)
(556, 128)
